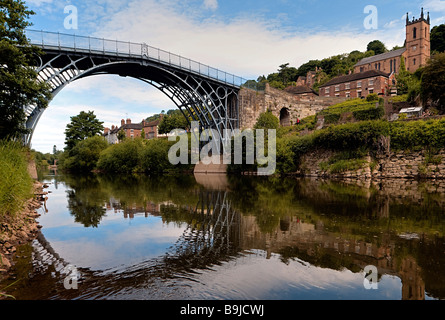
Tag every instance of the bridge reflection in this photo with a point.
(216, 230)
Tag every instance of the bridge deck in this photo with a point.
(52, 41)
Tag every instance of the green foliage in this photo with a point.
(267, 121)
(438, 38)
(123, 157)
(433, 82)
(408, 84)
(173, 121)
(377, 46)
(84, 156)
(16, 183)
(418, 135)
(83, 126)
(154, 156)
(361, 109)
(18, 78)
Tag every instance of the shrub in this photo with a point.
(267, 121)
(154, 156)
(84, 156)
(123, 157)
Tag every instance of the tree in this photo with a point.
(18, 78)
(173, 121)
(85, 155)
(267, 121)
(83, 126)
(121, 136)
(438, 38)
(377, 46)
(433, 82)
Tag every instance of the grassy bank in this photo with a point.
(16, 183)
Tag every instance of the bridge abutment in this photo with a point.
(299, 106)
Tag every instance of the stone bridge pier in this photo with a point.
(286, 106)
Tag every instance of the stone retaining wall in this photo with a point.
(406, 165)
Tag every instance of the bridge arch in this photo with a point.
(201, 97)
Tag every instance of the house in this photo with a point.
(111, 134)
(132, 130)
(416, 53)
(151, 128)
(357, 85)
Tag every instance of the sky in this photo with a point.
(247, 38)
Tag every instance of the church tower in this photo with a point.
(418, 46)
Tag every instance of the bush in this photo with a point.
(154, 156)
(15, 181)
(84, 156)
(267, 121)
(123, 157)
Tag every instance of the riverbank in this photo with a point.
(19, 230)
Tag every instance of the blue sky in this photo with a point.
(247, 38)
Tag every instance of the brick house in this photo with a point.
(357, 85)
(133, 130)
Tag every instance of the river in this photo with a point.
(239, 238)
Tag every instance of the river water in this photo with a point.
(243, 238)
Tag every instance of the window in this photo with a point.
(371, 82)
(359, 84)
(326, 90)
(359, 94)
(414, 61)
(337, 88)
(361, 69)
(347, 86)
(414, 33)
(371, 91)
(348, 94)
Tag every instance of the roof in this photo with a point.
(299, 90)
(154, 123)
(383, 56)
(135, 126)
(355, 77)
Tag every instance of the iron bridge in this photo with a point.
(202, 93)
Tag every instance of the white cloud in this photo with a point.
(246, 46)
(211, 4)
(434, 5)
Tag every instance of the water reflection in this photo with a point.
(136, 237)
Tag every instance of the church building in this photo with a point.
(376, 74)
(416, 53)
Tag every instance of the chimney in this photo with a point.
(143, 123)
(106, 130)
(128, 121)
(113, 127)
(122, 122)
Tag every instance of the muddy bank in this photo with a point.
(20, 230)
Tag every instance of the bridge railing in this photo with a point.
(62, 41)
